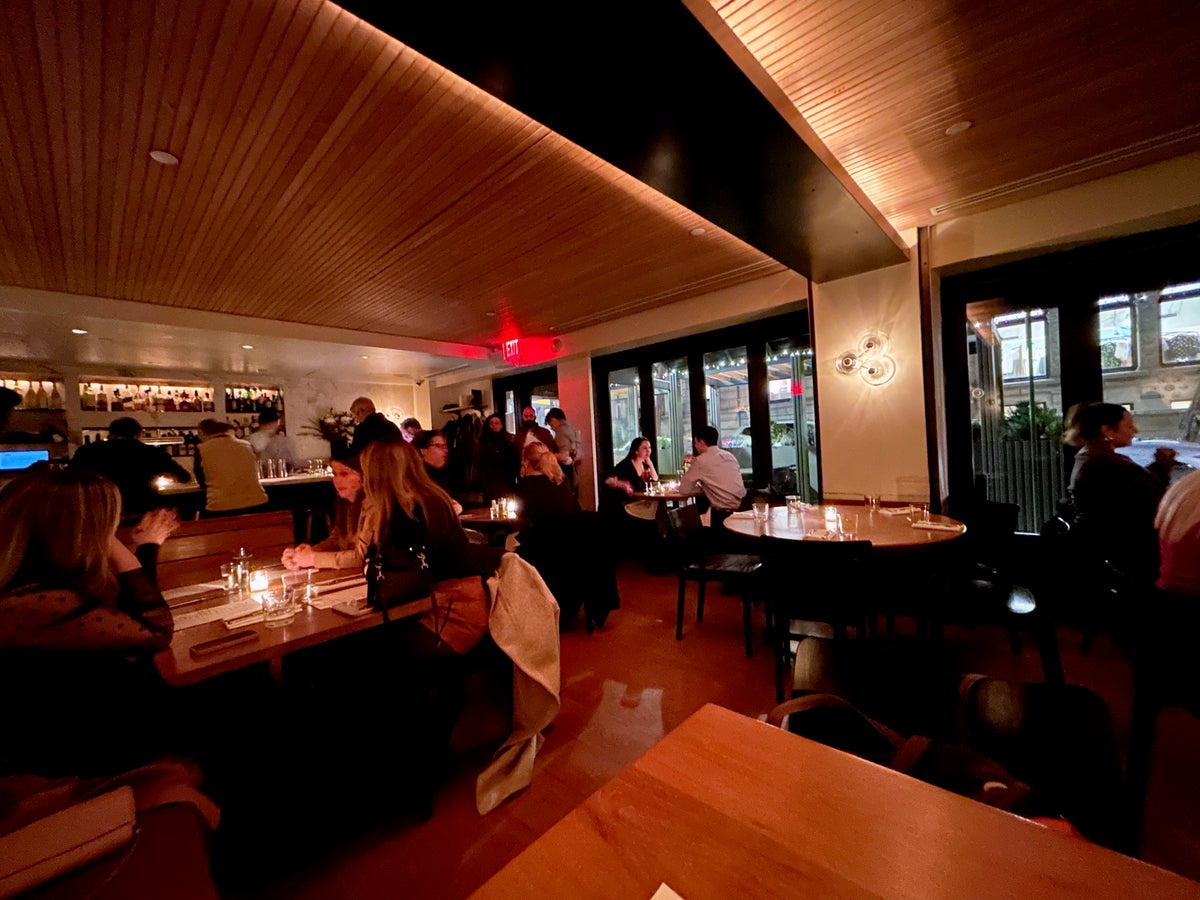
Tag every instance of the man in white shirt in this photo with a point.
(1178, 524)
(716, 472)
(268, 443)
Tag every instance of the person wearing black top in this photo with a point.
(543, 489)
(499, 460)
(131, 465)
(369, 425)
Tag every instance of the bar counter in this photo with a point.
(308, 496)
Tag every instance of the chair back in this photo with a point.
(685, 538)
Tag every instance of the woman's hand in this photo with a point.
(457, 506)
(302, 556)
(155, 527)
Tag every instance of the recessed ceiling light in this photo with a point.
(247, 346)
(697, 231)
(491, 314)
(364, 356)
(78, 331)
(164, 157)
(958, 127)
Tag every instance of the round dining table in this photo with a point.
(884, 528)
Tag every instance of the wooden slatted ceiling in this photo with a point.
(329, 175)
(1059, 93)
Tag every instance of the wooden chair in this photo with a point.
(687, 542)
(195, 552)
(816, 581)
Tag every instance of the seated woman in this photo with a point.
(341, 549)
(1115, 498)
(435, 453)
(543, 489)
(79, 623)
(627, 479)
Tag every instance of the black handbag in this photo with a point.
(397, 578)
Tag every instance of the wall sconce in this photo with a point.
(870, 359)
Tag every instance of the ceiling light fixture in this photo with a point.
(247, 346)
(697, 231)
(490, 314)
(959, 127)
(78, 331)
(164, 157)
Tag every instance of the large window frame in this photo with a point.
(753, 335)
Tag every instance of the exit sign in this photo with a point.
(512, 349)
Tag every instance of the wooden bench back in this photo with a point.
(195, 552)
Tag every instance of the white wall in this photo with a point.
(872, 438)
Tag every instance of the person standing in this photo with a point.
(227, 470)
(716, 472)
(532, 431)
(570, 447)
(269, 443)
(369, 425)
(131, 465)
(499, 460)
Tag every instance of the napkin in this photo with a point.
(895, 510)
(936, 526)
(820, 534)
(192, 590)
(744, 514)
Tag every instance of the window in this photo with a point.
(1118, 333)
(1022, 344)
(1179, 324)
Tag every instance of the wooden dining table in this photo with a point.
(882, 529)
(728, 806)
(178, 666)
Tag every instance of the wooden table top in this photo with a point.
(310, 627)
(880, 529)
(727, 806)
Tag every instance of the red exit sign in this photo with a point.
(512, 348)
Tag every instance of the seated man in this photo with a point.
(131, 465)
(714, 471)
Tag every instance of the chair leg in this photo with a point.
(700, 600)
(679, 610)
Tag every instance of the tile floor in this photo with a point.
(627, 685)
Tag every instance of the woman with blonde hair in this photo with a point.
(543, 489)
(404, 508)
(79, 623)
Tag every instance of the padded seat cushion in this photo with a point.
(730, 564)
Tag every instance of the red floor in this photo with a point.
(627, 685)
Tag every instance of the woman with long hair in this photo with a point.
(404, 508)
(543, 489)
(340, 550)
(1115, 498)
(635, 471)
(79, 623)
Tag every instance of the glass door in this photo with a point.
(1015, 385)
(625, 410)
(792, 420)
(672, 415)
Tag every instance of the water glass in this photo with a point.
(871, 501)
(848, 527)
(231, 577)
(761, 509)
(299, 585)
(279, 608)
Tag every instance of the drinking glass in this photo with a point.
(848, 527)
(231, 577)
(871, 501)
(279, 608)
(761, 508)
(298, 584)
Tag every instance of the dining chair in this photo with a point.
(815, 581)
(688, 542)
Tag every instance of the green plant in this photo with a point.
(1108, 355)
(783, 434)
(1027, 422)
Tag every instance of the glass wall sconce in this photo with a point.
(870, 359)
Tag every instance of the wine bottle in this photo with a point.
(41, 399)
(87, 399)
(56, 400)
(101, 399)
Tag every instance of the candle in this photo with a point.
(258, 580)
(161, 482)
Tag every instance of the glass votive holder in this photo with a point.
(259, 580)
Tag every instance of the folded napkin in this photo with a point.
(820, 534)
(189, 591)
(745, 514)
(240, 621)
(895, 510)
(936, 526)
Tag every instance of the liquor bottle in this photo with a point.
(101, 399)
(56, 400)
(87, 400)
(185, 404)
(279, 403)
(155, 400)
(41, 399)
(206, 405)
(137, 400)
(169, 402)
(116, 404)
